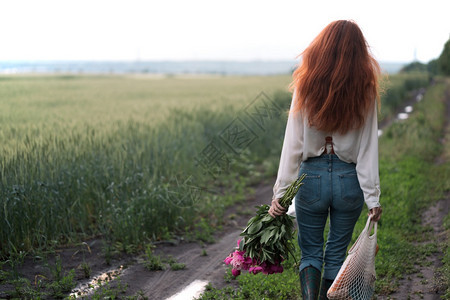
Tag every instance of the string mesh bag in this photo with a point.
(356, 278)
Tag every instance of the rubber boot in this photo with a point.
(324, 286)
(310, 281)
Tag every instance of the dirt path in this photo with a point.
(163, 284)
(426, 283)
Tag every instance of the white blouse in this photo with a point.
(358, 146)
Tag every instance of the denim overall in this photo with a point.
(330, 187)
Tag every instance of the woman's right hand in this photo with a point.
(276, 209)
(376, 213)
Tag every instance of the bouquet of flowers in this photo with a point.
(266, 241)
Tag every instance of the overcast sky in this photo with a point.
(397, 30)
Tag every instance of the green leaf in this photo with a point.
(250, 222)
(283, 229)
(277, 237)
(271, 227)
(254, 228)
(267, 218)
(266, 236)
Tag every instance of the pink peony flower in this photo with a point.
(265, 268)
(255, 269)
(269, 268)
(228, 259)
(276, 269)
(239, 261)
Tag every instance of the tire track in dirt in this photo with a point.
(163, 284)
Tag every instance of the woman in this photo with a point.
(332, 136)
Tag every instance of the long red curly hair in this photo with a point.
(336, 82)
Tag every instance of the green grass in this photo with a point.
(411, 182)
(278, 286)
(397, 88)
(56, 286)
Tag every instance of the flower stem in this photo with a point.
(291, 191)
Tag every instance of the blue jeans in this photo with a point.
(330, 187)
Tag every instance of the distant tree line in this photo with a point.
(438, 66)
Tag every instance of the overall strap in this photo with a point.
(329, 145)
